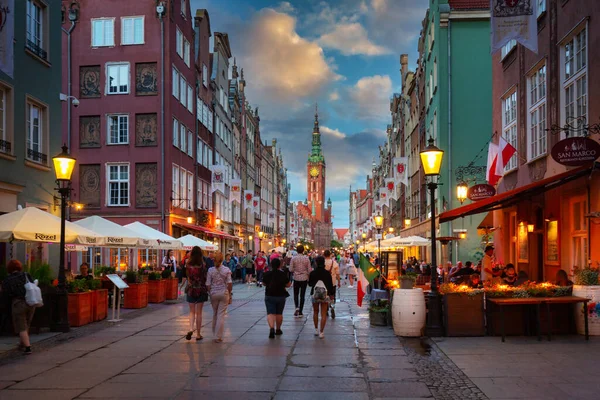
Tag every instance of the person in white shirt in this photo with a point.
(334, 269)
(487, 265)
(219, 285)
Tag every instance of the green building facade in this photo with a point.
(30, 117)
(455, 53)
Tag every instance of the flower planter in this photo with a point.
(592, 293)
(136, 295)
(99, 304)
(156, 291)
(171, 288)
(378, 318)
(407, 283)
(80, 308)
(463, 314)
(42, 315)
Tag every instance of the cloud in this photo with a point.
(351, 39)
(367, 100)
(286, 7)
(333, 96)
(332, 132)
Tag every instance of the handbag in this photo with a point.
(33, 294)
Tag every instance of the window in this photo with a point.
(36, 133)
(35, 28)
(541, 7)
(186, 52)
(182, 201)
(6, 115)
(179, 42)
(175, 83)
(175, 133)
(118, 184)
(509, 126)
(507, 48)
(537, 114)
(175, 188)
(118, 129)
(190, 190)
(117, 78)
(579, 249)
(190, 99)
(182, 137)
(204, 75)
(103, 32)
(190, 144)
(183, 8)
(199, 194)
(183, 91)
(132, 30)
(574, 76)
(147, 258)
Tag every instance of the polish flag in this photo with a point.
(506, 152)
(492, 175)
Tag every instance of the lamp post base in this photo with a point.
(434, 327)
(60, 312)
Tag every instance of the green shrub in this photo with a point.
(586, 276)
(153, 276)
(77, 286)
(94, 284)
(42, 272)
(104, 270)
(166, 274)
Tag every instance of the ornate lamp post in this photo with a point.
(249, 241)
(364, 237)
(379, 225)
(461, 191)
(63, 169)
(260, 238)
(431, 158)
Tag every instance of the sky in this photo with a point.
(343, 55)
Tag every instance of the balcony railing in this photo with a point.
(37, 50)
(5, 146)
(37, 156)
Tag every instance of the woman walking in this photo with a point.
(276, 282)
(322, 288)
(13, 287)
(351, 271)
(196, 293)
(219, 285)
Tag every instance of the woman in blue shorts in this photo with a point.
(276, 283)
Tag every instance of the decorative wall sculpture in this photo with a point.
(89, 185)
(89, 132)
(145, 79)
(146, 130)
(89, 82)
(146, 187)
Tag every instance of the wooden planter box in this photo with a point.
(80, 308)
(136, 295)
(99, 304)
(463, 315)
(42, 315)
(156, 291)
(171, 288)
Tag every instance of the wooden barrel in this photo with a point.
(408, 312)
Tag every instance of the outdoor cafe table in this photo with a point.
(537, 302)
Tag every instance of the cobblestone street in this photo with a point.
(147, 357)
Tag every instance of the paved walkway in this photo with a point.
(147, 357)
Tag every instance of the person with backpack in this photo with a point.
(333, 267)
(13, 288)
(247, 265)
(322, 286)
(196, 291)
(276, 284)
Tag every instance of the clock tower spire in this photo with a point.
(316, 172)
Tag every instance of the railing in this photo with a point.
(37, 50)
(5, 146)
(37, 156)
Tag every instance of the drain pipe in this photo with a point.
(69, 84)
(450, 172)
(162, 116)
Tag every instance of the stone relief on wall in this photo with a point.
(146, 187)
(89, 185)
(89, 82)
(89, 131)
(145, 79)
(146, 128)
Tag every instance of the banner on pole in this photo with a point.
(514, 20)
(218, 178)
(248, 196)
(401, 170)
(235, 192)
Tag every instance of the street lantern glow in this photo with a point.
(260, 234)
(378, 221)
(461, 192)
(218, 221)
(462, 235)
(250, 237)
(407, 222)
(431, 158)
(64, 165)
(270, 243)
(190, 220)
(391, 229)
(364, 236)
(530, 228)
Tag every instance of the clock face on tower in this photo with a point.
(314, 172)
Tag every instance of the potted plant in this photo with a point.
(99, 299)
(407, 281)
(463, 310)
(44, 274)
(378, 312)
(156, 288)
(80, 303)
(586, 285)
(136, 295)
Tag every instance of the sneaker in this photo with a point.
(321, 335)
(316, 332)
(350, 287)
(272, 333)
(297, 313)
(27, 351)
(278, 332)
(300, 315)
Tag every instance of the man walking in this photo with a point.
(300, 267)
(260, 263)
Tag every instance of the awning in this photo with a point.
(512, 197)
(208, 231)
(488, 222)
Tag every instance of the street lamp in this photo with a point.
(63, 169)
(364, 237)
(407, 223)
(431, 158)
(461, 191)
(217, 222)
(391, 230)
(378, 225)
(249, 240)
(260, 238)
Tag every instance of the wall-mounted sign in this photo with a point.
(576, 151)
(480, 192)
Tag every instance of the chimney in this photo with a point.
(403, 67)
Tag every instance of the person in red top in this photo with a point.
(259, 264)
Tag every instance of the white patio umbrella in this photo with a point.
(31, 224)
(189, 241)
(278, 249)
(157, 239)
(116, 235)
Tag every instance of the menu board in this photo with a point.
(523, 244)
(552, 242)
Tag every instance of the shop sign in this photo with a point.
(480, 192)
(576, 151)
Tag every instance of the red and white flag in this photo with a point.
(506, 151)
(492, 163)
(498, 157)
